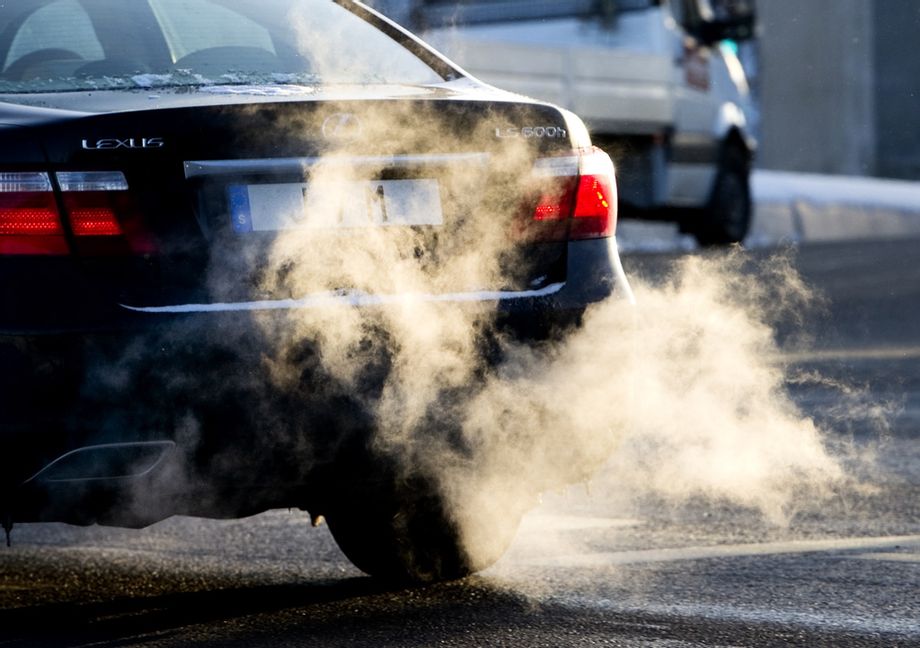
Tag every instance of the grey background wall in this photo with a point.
(897, 85)
(839, 86)
(816, 86)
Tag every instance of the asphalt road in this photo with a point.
(586, 569)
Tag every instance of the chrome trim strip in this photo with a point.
(350, 298)
(199, 168)
(164, 447)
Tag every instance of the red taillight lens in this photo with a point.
(595, 208)
(102, 213)
(555, 205)
(29, 219)
(29, 214)
(91, 213)
(579, 191)
(87, 201)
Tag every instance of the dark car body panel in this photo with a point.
(91, 344)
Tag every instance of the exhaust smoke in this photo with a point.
(681, 393)
(678, 395)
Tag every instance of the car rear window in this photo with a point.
(64, 21)
(190, 26)
(62, 45)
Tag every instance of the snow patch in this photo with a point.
(151, 80)
(349, 298)
(258, 90)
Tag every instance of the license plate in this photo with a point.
(331, 205)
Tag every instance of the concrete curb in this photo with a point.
(815, 208)
(803, 208)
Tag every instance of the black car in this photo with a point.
(259, 253)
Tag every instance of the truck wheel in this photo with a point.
(402, 532)
(727, 217)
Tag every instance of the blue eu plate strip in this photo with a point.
(238, 196)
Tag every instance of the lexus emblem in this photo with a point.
(342, 126)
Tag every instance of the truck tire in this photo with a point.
(727, 217)
(401, 531)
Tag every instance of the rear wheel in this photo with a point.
(404, 531)
(727, 217)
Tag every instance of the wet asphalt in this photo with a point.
(586, 569)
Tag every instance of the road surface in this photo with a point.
(585, 570)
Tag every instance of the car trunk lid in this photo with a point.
(219, 189)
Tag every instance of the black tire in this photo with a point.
(727, 217)
(401, 531)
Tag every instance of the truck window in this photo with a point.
(715, 20)
(691, 14)
(438, 13)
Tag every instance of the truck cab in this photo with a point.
(658, 82)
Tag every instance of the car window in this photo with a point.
(63, 24)
(190, 26)
(61, 45)
(340, 49)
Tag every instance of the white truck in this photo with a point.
(655, 81)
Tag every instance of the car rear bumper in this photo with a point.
(169, 390)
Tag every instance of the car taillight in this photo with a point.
(89, 200)
(577, 197)
(595, 214)
(29, 218)
(101, 213)
(98, 211)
